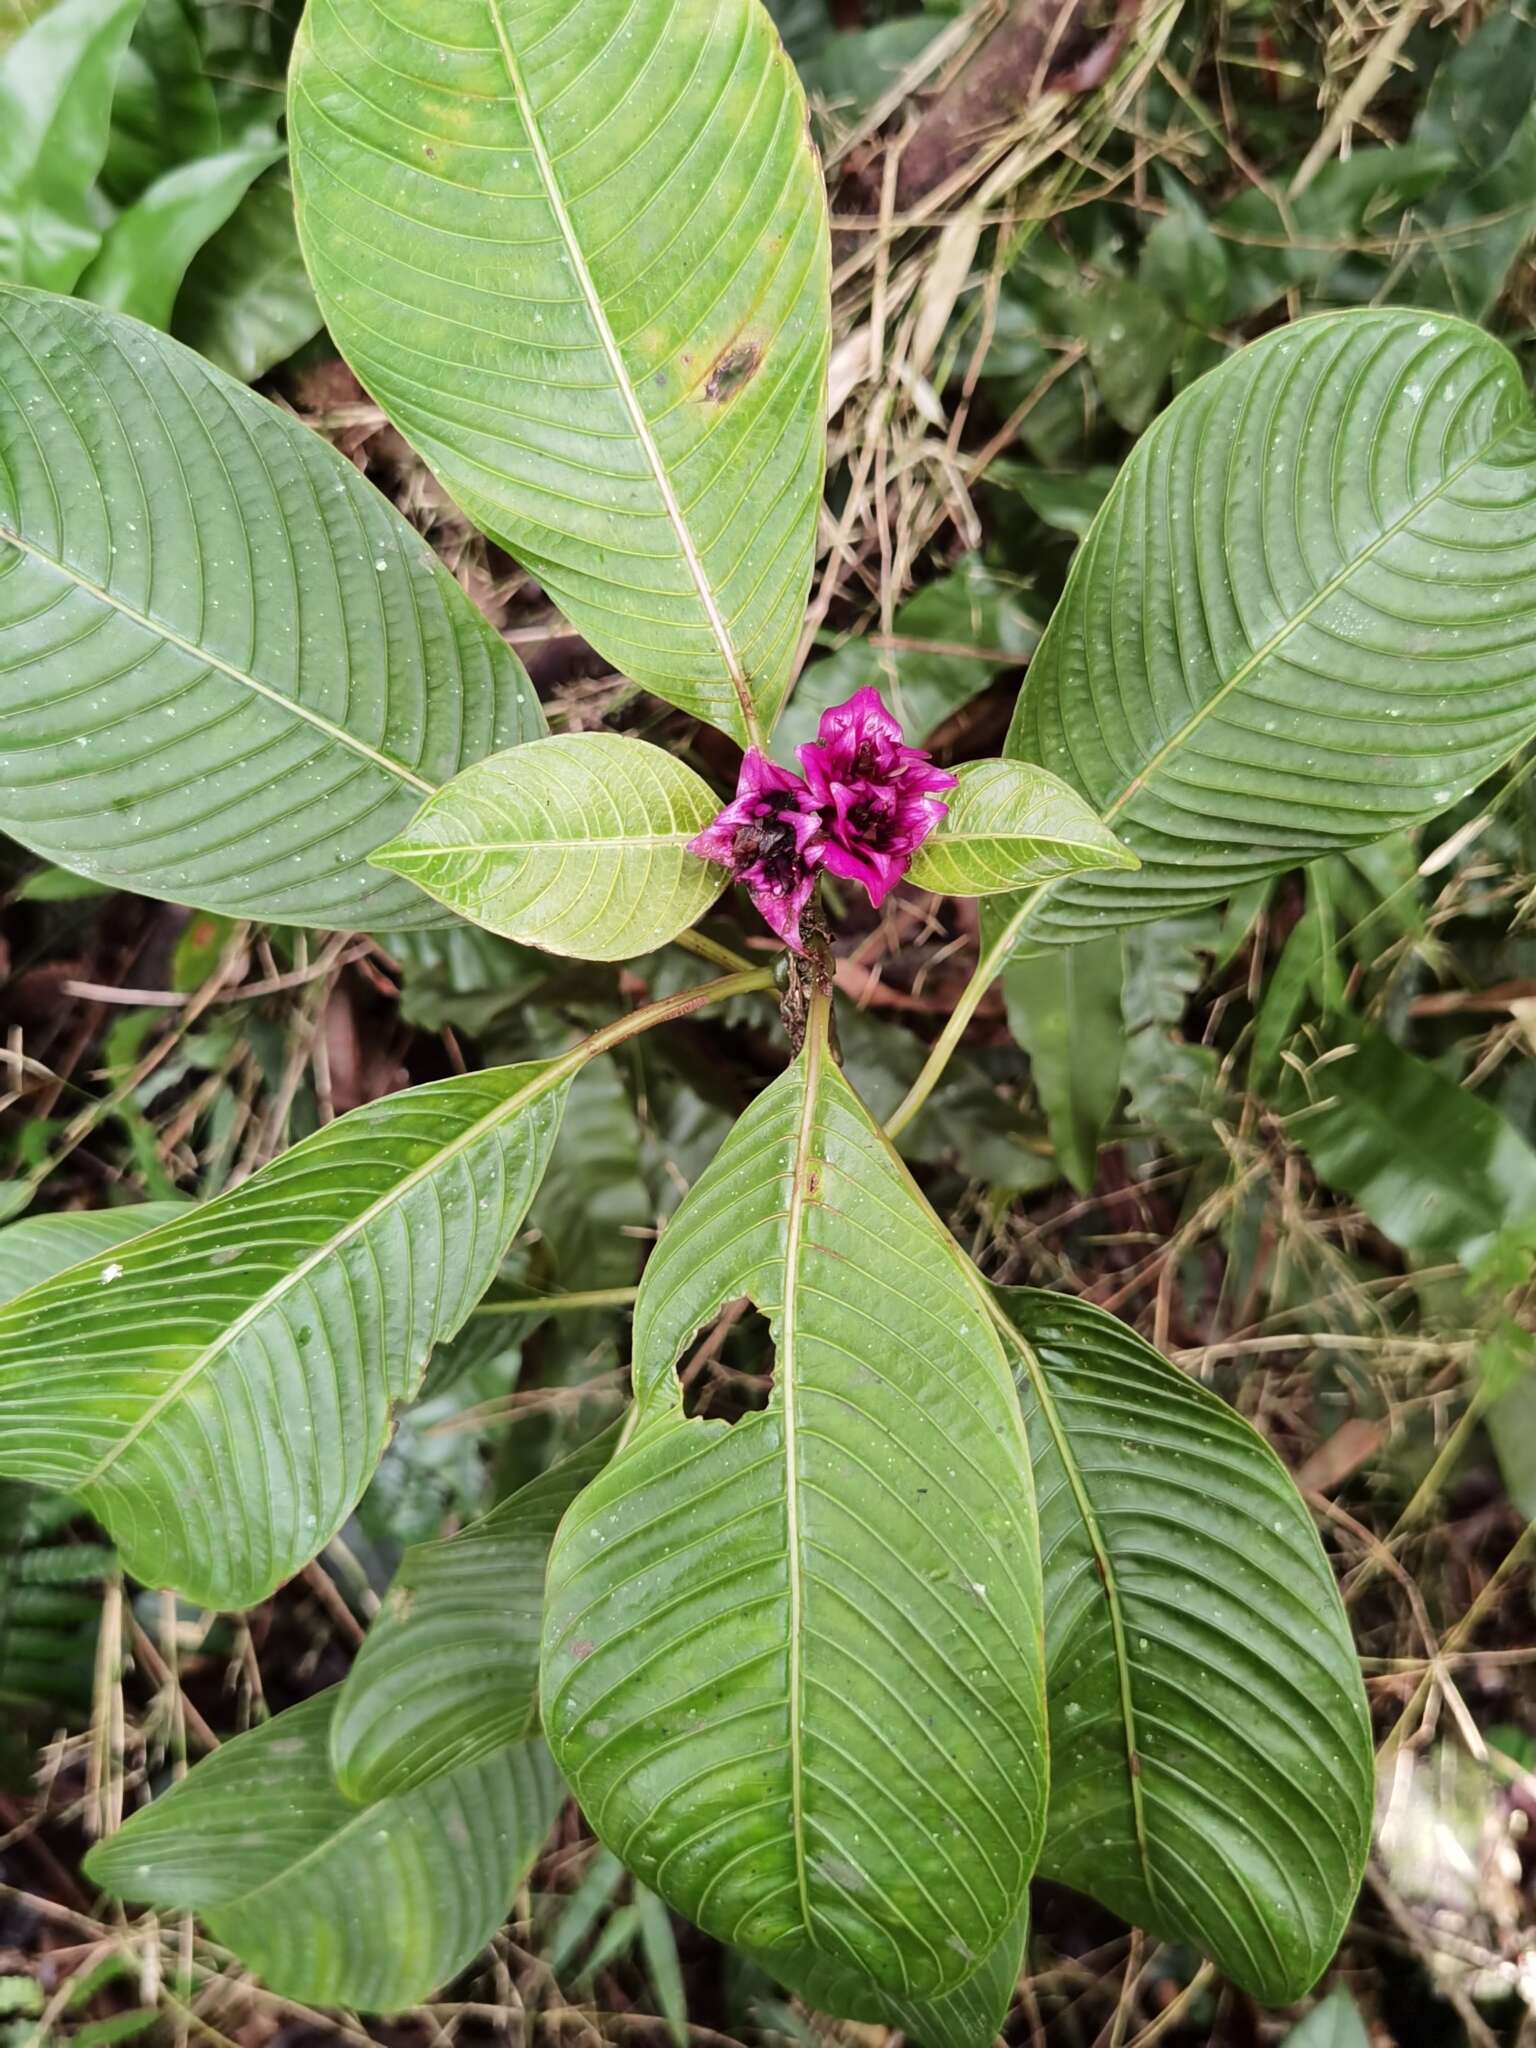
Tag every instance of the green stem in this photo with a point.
(712, 951)
(558, 1304)
(988, 968)
(669, 1009)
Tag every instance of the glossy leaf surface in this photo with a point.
(791, 1665)
(336, 1904)
(1011, 824)
(1301, 619)
(1211, 1763)
(449, 1671)
(147, 249)
(56, 85)
(578, 844)
(579, 255)
(219, 1391)
(228, 668)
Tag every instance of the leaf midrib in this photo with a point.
(550, 1077)
(523, 847)
(1026, 1353)
(150, 624)
(1277, 639)
(627, 393)
(799, 1194)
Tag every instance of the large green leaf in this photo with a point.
(1211, 1765)
(972, 2015)
(579, 255)
(40, 1246)
(147, 249)
(1010, 824)
(330, 1902)
(1064, 1010)
(228, 668)
(792, 1665)
(1301, 619)
(219, 1391)
(578, 844)
(56, 83)
(449, 1671)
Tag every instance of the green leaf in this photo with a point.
(247, 303)
(329, 1902)
(228, 668)
(165, 111)
(219, 1391)
(40, 1246)
(449, 1671)
(600, 313)
(56, 84)
(1132, 339)
(1211, 1762)
(972, 2015)
(1299, 621)
(1064, 1010)
(1436, 1169)
(147, 250)
(1011, 824)
(1334, 2022)
(791, 1664)
(578, 844)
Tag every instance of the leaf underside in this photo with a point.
(228, 668)
(1211, 1763)
(579, 255)
(219, 1391)
(578, 844)
(1302, 618)
(326, 1901)
(40, 1246)
(791, 1665)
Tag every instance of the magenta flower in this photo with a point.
(765, 836)
(878, 797)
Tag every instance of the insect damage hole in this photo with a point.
(729, 1371)
(732, 368)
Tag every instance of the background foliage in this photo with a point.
(1289, 1141)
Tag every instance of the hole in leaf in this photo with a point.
(727, 1371)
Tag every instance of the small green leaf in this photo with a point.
(1064, 1010)
(599, 312)
(1211, 1760)
(1008, 825)
(56, 84)
(790, 1664)
(228, 667)
(145, 254)
(1334, 2022)
(247, 302)
(578, 844)
(219, 1391)
(329, 1902)
(1297, 623)
(449, 1671)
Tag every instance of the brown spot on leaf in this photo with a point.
(582, 1649)
(735, 367)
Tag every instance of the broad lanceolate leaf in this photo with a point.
(578, 844)
(792, 1666)
(578, 252)
(1011, 824)
(228, 668)
(1301, 619)
(449, 1671)
(40, 1246)
(1210, 1745)
(247, 303)
(972, 2015)
(219, 1391)
(337, 1904)
(56, 84)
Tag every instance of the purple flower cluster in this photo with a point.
(865, 804)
